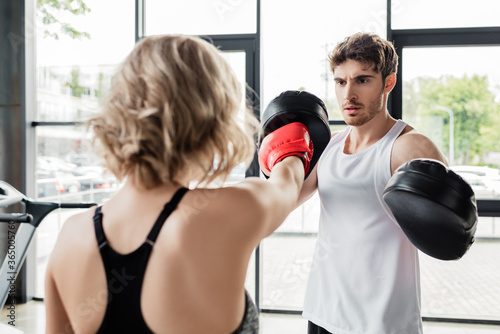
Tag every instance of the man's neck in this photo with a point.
(362, 137)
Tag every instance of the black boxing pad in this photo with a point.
(435, 208)
(298, 106)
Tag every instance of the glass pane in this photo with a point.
(67, 169)
(456, 102)
(410, 14)
(71, 93)
(296, 40)
(237, 60)
(72, 75)
(286, 263)
(199, 17)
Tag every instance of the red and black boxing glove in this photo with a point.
(288, 140)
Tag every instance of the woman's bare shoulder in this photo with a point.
(235, 212)
(76, 233)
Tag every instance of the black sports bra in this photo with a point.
(125, 275)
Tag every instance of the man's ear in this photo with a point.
(390, 82)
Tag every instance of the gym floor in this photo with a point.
(30, 318)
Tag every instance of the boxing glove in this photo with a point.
(290, 139)
(434, 206)
(303, 107)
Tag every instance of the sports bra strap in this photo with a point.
(99, 232)
(167, 210)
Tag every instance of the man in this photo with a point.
(365, 272)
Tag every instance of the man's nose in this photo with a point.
(350, 92)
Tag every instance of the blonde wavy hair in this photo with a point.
(173, 107)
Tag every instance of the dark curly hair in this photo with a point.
(366, 48)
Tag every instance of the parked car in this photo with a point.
(54, 164)
(93, 177)
(483, 171)
(485, 181)
(52, 183)
(55, 177)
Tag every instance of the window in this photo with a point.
(297, 38)
(72, 76)
(455, 101)
(237, 60)
(198, 17)
(450, 93)
(412, 14)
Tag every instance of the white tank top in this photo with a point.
(364, 276)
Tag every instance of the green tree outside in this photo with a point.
(76, 89)
(50, 10)
(476, 114)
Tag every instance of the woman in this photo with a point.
(136, 265)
